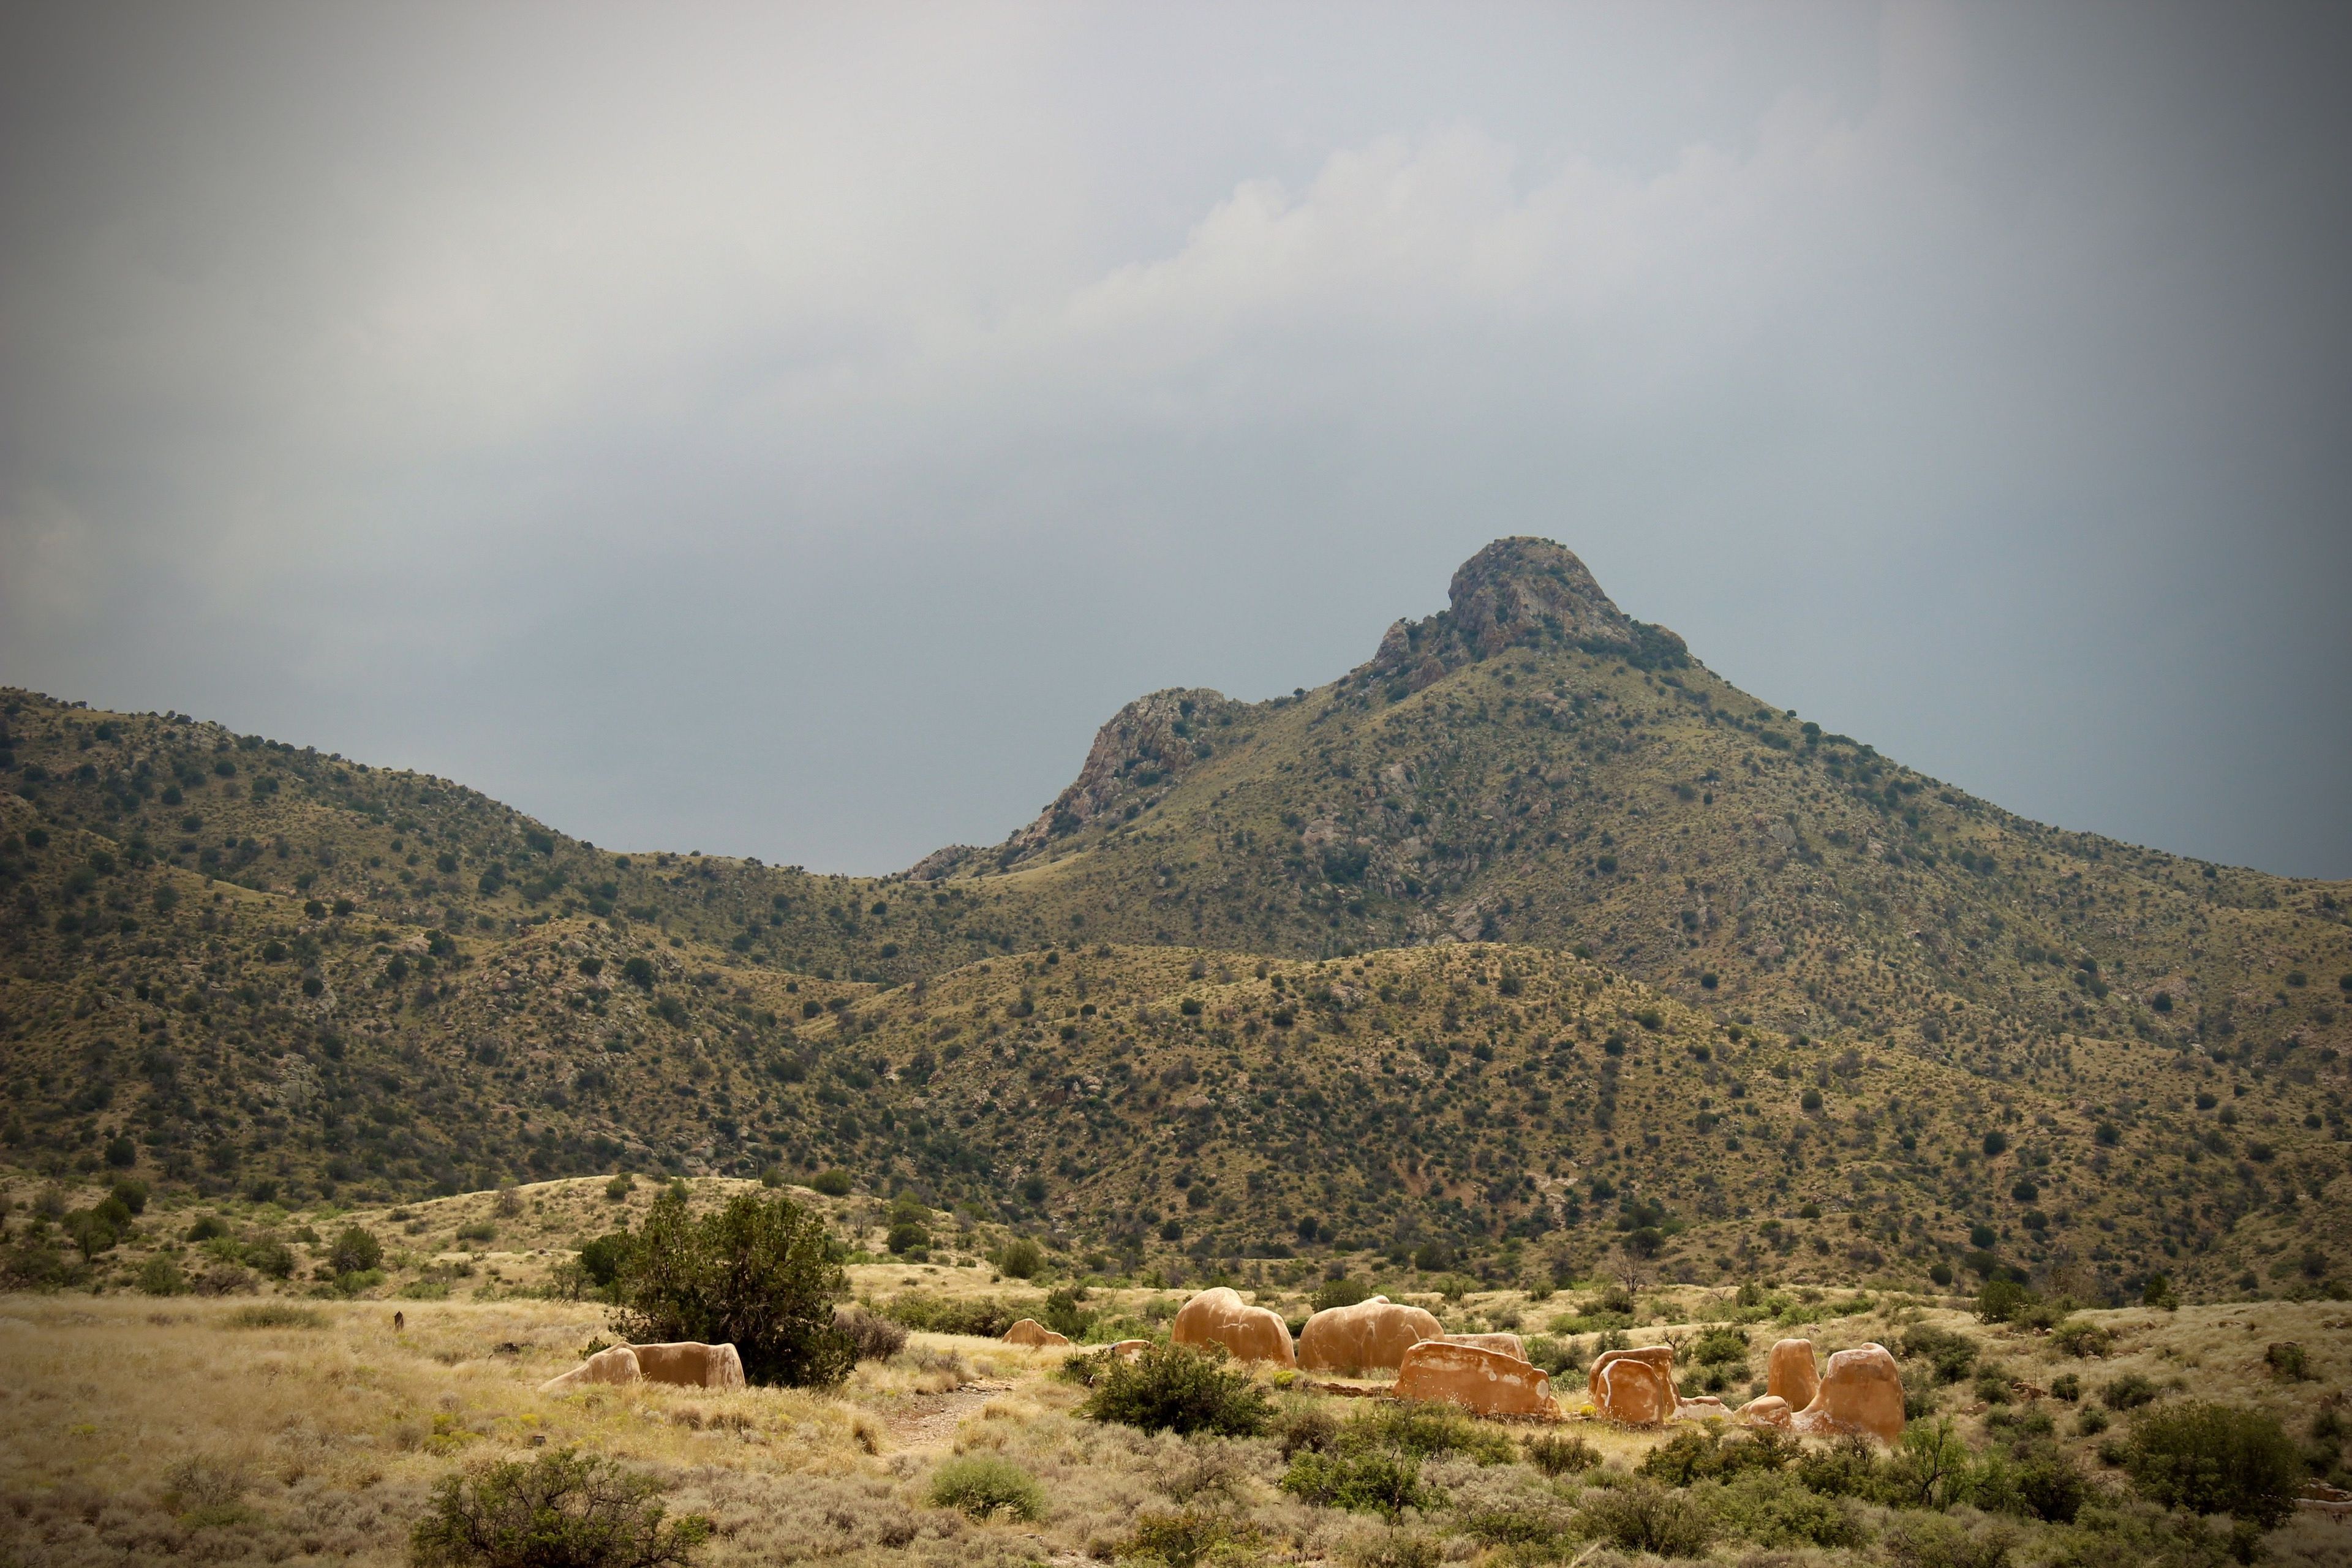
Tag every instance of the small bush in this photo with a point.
(982, 1484)
(559, 1510)
(1305, 1428)
(1951, 1356)
(274, 1315)
(2288, 1362)
(1391, 1548)
(1425, 1431)
(831, 1184)
(1643, 1516)
(2128, 1392)
(2002, 1300)
(983, 1316)
(355, 1251)
(872, 1336)
(161, 1276)
(1720, 1346)
(1343, 1292)
(617, 1190)
(1693, 1455)
(1378, 1481)
(1774, 1510)
(1940, 1541)
(1181, 1539)
(2076, 1338)
(2215, 1458)
(1021, 1259)
(1180, 1389)
(1560, 1455)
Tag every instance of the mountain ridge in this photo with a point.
(230, 961)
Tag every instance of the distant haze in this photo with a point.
(790, 431)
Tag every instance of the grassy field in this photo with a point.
(296, 1431)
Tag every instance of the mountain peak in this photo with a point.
(1517, 592)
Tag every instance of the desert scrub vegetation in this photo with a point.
(1182, 1389)
(987, 1486)
(561, 1510)
(763, 1274)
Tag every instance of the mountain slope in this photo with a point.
(1529, 901)
(1531, 766)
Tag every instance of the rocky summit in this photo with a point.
(1528, 944)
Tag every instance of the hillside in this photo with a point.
(1530, 934)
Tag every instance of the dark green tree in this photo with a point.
(762, 1276)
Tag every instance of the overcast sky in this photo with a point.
(790, 431)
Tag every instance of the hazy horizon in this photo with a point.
(791, 432)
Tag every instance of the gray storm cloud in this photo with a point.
(789, 432)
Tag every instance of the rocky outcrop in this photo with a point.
(1860, 1392)
(1371, 1335)
(1136, 758)
(1219, 1316)
(1501, 1344)
(1635, 1387)
(1767, 1410)
(1485, 1381)
(1789, 1374)
(1030, 1331)
(1515, 592)
(690, 1364)
(616, 1364)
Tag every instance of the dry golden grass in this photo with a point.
(140, 1430)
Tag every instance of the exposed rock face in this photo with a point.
(616, 1364)
(1501, 1344)
(1127, 1350)
(1219, 1316)
(1373, 1334)
(1515, 592)
(1635, 1386)
(1482, 1380)
(1861, 1392)
(687, 1363)
(1789, 1374)
(1030, 1331)
(1147, 746)
(1767, 1410)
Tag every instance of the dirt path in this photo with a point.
(929, 1420)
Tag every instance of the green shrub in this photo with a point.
(1376, 1480)
(1643, 1516)
(1021, 1259)
(1720, 1346)
(1556, 1456)
(982, 1484)
(1393, 1548)
(1181, 1389)
(2215, 1458)
(1344, 1293)
(1774, 1510)
(1181, 1539)
(274, 1258)
(2288, 1362)
(558, 1511)
(1941, 1540)
(2128, 1392)
(761, 1274)
(161, 1276)
(831, 1184)
(1695, 1454)
(1951, 1356)
(872, 1336)
(355, 1251)
(1848, 1467)
(1425, 1431)
(617, 1190)
(984, 1317)
(2002, 1300)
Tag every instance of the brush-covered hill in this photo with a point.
(1530, 934)
(1531, 766)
